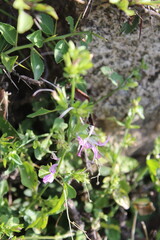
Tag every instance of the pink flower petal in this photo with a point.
(48, 178)
(53, 168)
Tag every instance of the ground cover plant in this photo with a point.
(61, 176)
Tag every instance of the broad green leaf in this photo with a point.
(28, 176)
(40, 112)
(60, 49)
(59, 125)
(46, 23)
(25, 22)
(41, 148)
(13, 224)
(3, 187)
(36, 38)
(46, 9)
(121, 198)
(59, 206)
(153, 165)
(127, 163)
(9, 33)
(13, 156)
(6, 127)
(40, 222)
(70, 21)
(106, 70)
(70, 191)
(36, 64)
(116, 78)
(8, 61)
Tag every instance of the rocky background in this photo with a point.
(123, 53)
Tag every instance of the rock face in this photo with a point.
(123, 53)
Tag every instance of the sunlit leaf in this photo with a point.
(8, 61)
(121, 198)
(36, 38)
(9, 33)
(71, 192)
(28, 176)
(13, 156)
(40, 112)
(46, 9)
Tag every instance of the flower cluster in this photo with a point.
(90, 143)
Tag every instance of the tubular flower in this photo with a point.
(90, 143)
(50, 177)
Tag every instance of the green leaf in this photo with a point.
(60, 49)
(3, 187)
(106, 70)
(8, 61)
(28, 176)
(70, 21)
(129, 28)
(36, 38)
(46, 23)
(59, 125)
(40, 112)
(127, 163)
(9, 33)
(121, 198)
(153, 165)
(36, 64)
(13, 156)
(116, 78)
(59, 206)
(40, 222)
(70, 191)
(47, 9)
(25, 22)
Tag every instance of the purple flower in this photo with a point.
(50, 177)
(90, 143)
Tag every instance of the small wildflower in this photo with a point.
(50, 177)
(90, 143)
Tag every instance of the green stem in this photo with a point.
(60, 162)
(73, 90)
(30, 45)
(53, 38)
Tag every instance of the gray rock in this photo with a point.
(123, 53)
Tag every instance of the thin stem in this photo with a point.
(73, 91)
(60, 162)
(53, 38)
(67, 212)
(30, 45)
(134, 225)
(145, 230)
